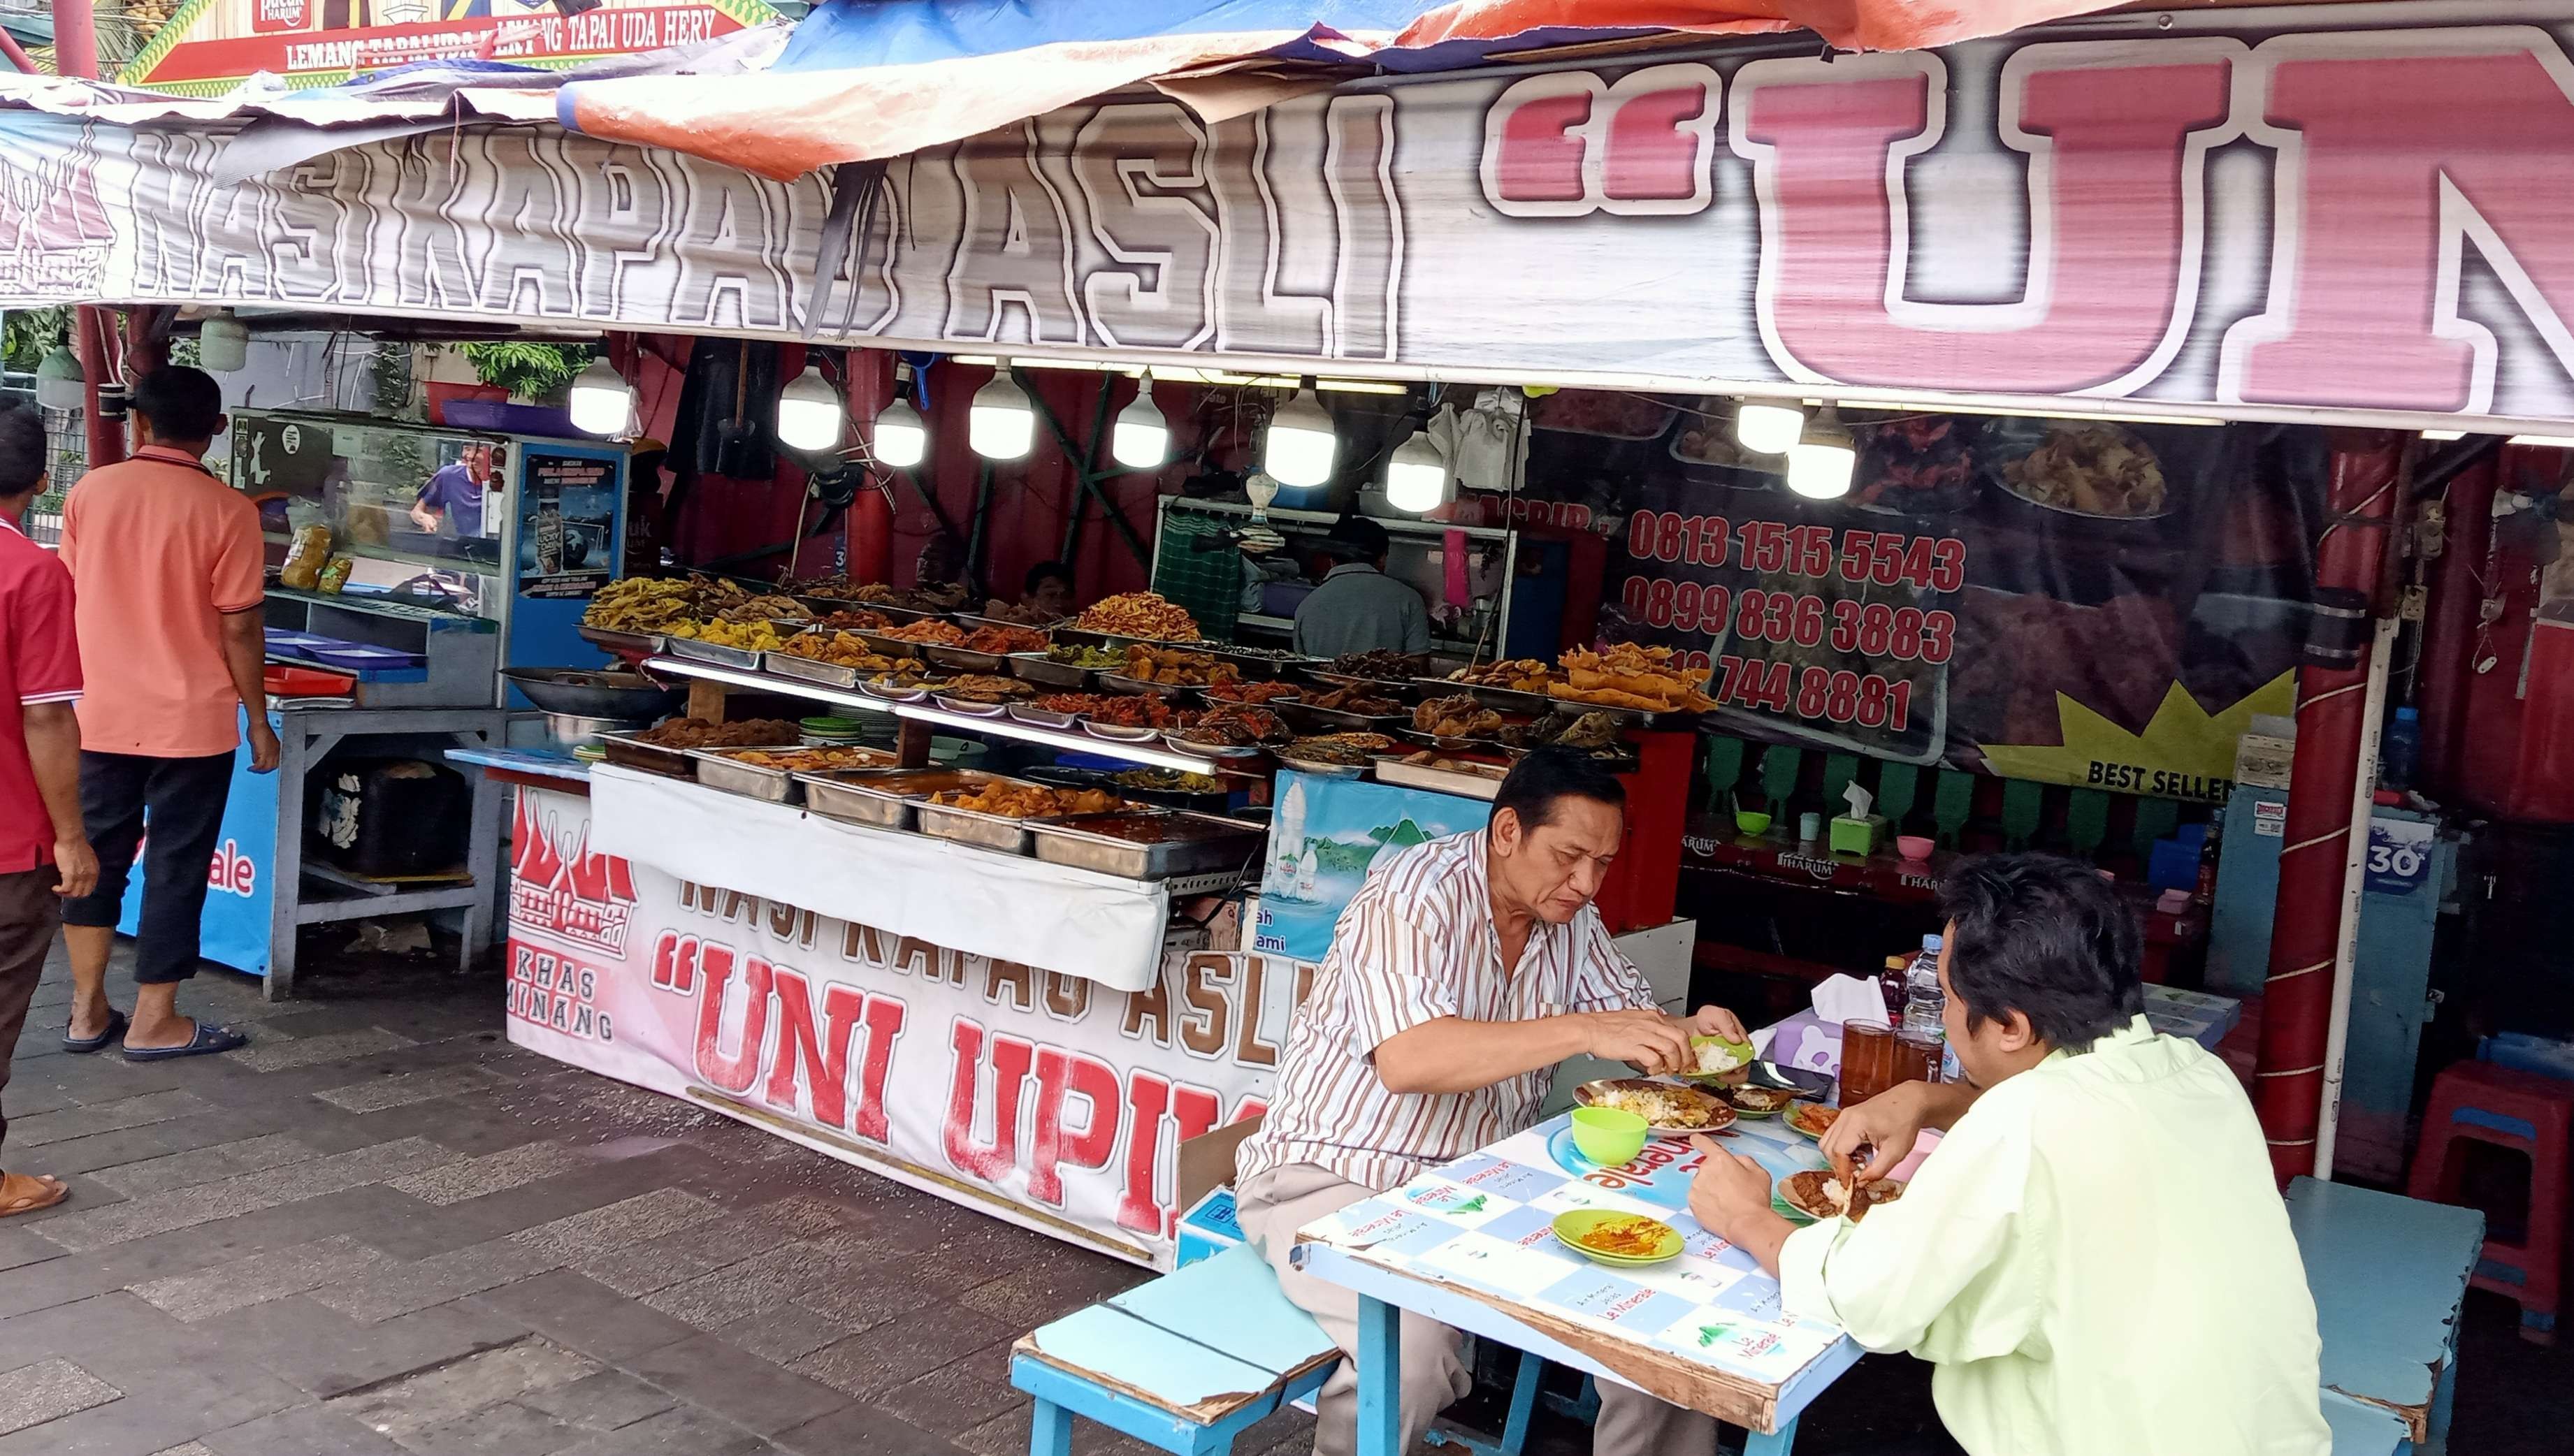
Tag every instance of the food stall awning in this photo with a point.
(858, 82)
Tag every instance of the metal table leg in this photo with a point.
(1380, 1422)
(1756, 1444)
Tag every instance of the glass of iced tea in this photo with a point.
(1870, 1060)
(1917, 1057)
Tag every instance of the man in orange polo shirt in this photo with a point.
(166, 561)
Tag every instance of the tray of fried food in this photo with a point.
(1145, 614)
(983, 694)
(1257, 694)
(909, 682)
(1447, 773)
(1056, 710)
(1154, 668)
(663, 746)
(1231, 730)
(1335, 755)
(1643, 682)
(855, 619)
(727, 644)
(771, 607)
(1147, 844)
(1518, 684)
(1381, 669)
(1596, 731)
(1360, 706)
(1458, 715)
(771, 773)
(989, 647)
(1132, 717)
(649, 606)
(927, 632)
(886, 798)
(831, 657)
(995, 814)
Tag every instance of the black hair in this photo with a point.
(1549, 774)
(2047, 937)
(1356, 538)
(1045, 571)
(22, 450)
(184, 406)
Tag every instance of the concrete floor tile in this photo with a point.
(273, 1275)
(305, 1430)
(48, 1390)
(629, 1221)
(868, 1365)
(788, 1332)
(378, 1294)
(741, 1387)
(104, 1117)
(278, 1054)
(680, 1431)
(243, 1193)
(582, 1315)
(403, 1088)
(204, 1164)
(863, 1430)
(603, 1402)
(325, 1353)
(1051, 1290)
(475, 1176)
(957, 1397)
(403, 1408)
(507, 1429)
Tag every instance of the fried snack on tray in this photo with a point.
(647, 604)
(1134, 710)
(812, 760)
(1629, 676)
(1460, 716)
(1234, 726)
(1028, 801)
(1226, 691)
(1077, 704)
(856, 619)
(946, 598)
(1442, 763)
(1026, 616)
(699, 733)
(1520, 675)
(1173, 666)
(765, 609)
(1356, 699)
(1349, 750)
(928, 630)
(1002, 641)
(758, 636)
(844, 649)
(1140, 615)
(1092, 659)
(985, 687)
(1381, 664)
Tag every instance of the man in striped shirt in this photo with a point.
(1461, 974)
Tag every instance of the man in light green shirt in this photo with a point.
(2095, 1256)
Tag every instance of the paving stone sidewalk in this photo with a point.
(379, 1228)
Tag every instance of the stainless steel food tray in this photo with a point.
(965, 659)
(1205, 844)
(1393, 770)
(745, 658)
(885, 798)
(968, 826)
(1036, 667)
(811, 670)
(627, 751)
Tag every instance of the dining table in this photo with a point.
(1471, 1244)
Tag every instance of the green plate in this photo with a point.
(1799, 1126)
(1741, 1110)
(1741, 1051)
(1570, 1226)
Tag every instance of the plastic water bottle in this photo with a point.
(1923, 1004)
(2399, 755)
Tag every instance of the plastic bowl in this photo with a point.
(1746, 822)
(1915, 847)
(1607, 1136)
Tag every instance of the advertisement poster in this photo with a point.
(1044, 1098)
(2251, 208)
(2074, 602)
(235, 928)
(568, 534)
(209, 46)
(1324, 835)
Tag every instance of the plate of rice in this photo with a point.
(1669, 1109)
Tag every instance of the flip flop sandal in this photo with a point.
(25, 1193)
(83, 1045)
(209, 1040)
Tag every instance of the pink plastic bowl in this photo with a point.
(1914, 846)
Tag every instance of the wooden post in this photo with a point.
(911, 744)
(706, 701)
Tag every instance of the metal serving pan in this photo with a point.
(811, 670)
(1039, 668)
(627, 751)
(723, 768)
(1146, 843)
(1391, 769)
(885, 798)
(745, 658)
(967, 660)
(1502, 699)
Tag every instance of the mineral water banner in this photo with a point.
(2298, 207)
(1043, 1098)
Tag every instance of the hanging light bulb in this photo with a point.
(1821, 462)
(222, 342)
(1301, 444)
(902, 435)
(1416, 476)
(1767, 428)
(60, 385)
(1143, 438)
(809, 417)
(1002, 424)
(603, 403)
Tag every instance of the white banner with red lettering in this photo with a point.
(2260, 210)
(1044, 1098)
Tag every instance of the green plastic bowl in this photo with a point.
(1608, 1136)
(1749, 822)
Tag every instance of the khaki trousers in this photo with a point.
(1274, 1204)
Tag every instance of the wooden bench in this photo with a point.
(1187, 1361)
(2388, 1274)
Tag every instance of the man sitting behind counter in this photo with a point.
(1461, 974)
(2095, 1258)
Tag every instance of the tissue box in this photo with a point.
(1859, 836)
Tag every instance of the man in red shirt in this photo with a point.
(167, 559)
(43, 854)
